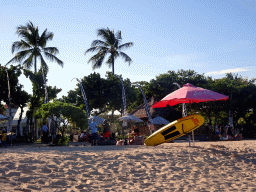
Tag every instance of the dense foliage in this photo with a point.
(103, 94)
(63, 114)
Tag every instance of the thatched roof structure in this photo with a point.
(168, 112)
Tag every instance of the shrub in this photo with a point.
(63, 141)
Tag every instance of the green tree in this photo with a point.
(19, 97)
(13, 72)
(38, 94)
(38, 86)
(103, 94)
(110, 44)
(114, 96)
(65, 114)
(32, 45)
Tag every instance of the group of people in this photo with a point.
(94, 131)
(96, 139)
(225, 132)
(134, 139)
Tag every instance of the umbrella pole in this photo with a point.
(193, 136)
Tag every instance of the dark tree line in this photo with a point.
(106, 94)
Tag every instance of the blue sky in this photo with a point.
(209, 36)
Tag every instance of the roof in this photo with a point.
(165, 112)
(140, 111)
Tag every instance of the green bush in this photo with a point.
(122, 137)
(63, 141)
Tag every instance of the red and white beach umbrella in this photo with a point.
(190, 94)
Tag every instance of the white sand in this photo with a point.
(209, 166)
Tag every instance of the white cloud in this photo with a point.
(236, 70)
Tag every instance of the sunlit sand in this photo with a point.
(207, 166)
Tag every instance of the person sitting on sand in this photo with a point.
(120, 142)
(224, 137)
(137, 139)
(237, 137)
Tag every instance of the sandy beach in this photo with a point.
(207, 166)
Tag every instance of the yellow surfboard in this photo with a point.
(175, 129)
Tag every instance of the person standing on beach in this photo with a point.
(106, 130)
(93, 127)
(226, 130)
(230, 131)
(3, 137)
(217, 129)
(45, 133)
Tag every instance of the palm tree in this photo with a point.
(32, 45)
(111, 44)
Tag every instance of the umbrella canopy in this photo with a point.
(159, 121)
(3, 117)
(190, 94)
(130, 117)
(97, 119)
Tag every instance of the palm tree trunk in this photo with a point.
(35, 64)
(113, 63)
(18, 126)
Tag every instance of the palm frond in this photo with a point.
(26, 35)
(34, 33)
(20, 56)
(97, 59)
(109, 61)
(13, 60)
(21, 30)
(42, 40)
(116, 54)
(99, 42)
(51, 50)
(53, 58)
(118, 35)
(49, 36)
(106, 35)
(113, 39)
(46, 36)
(92, 49)
(43, 64)
(28, 63)
(18, 45)
(125, 46)
(126, 57)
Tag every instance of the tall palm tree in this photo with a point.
(111, 44)
(32, 45)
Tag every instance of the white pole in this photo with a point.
(184, 114)
(10, 106)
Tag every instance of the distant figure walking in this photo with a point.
(94, 130)
(45, 133)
